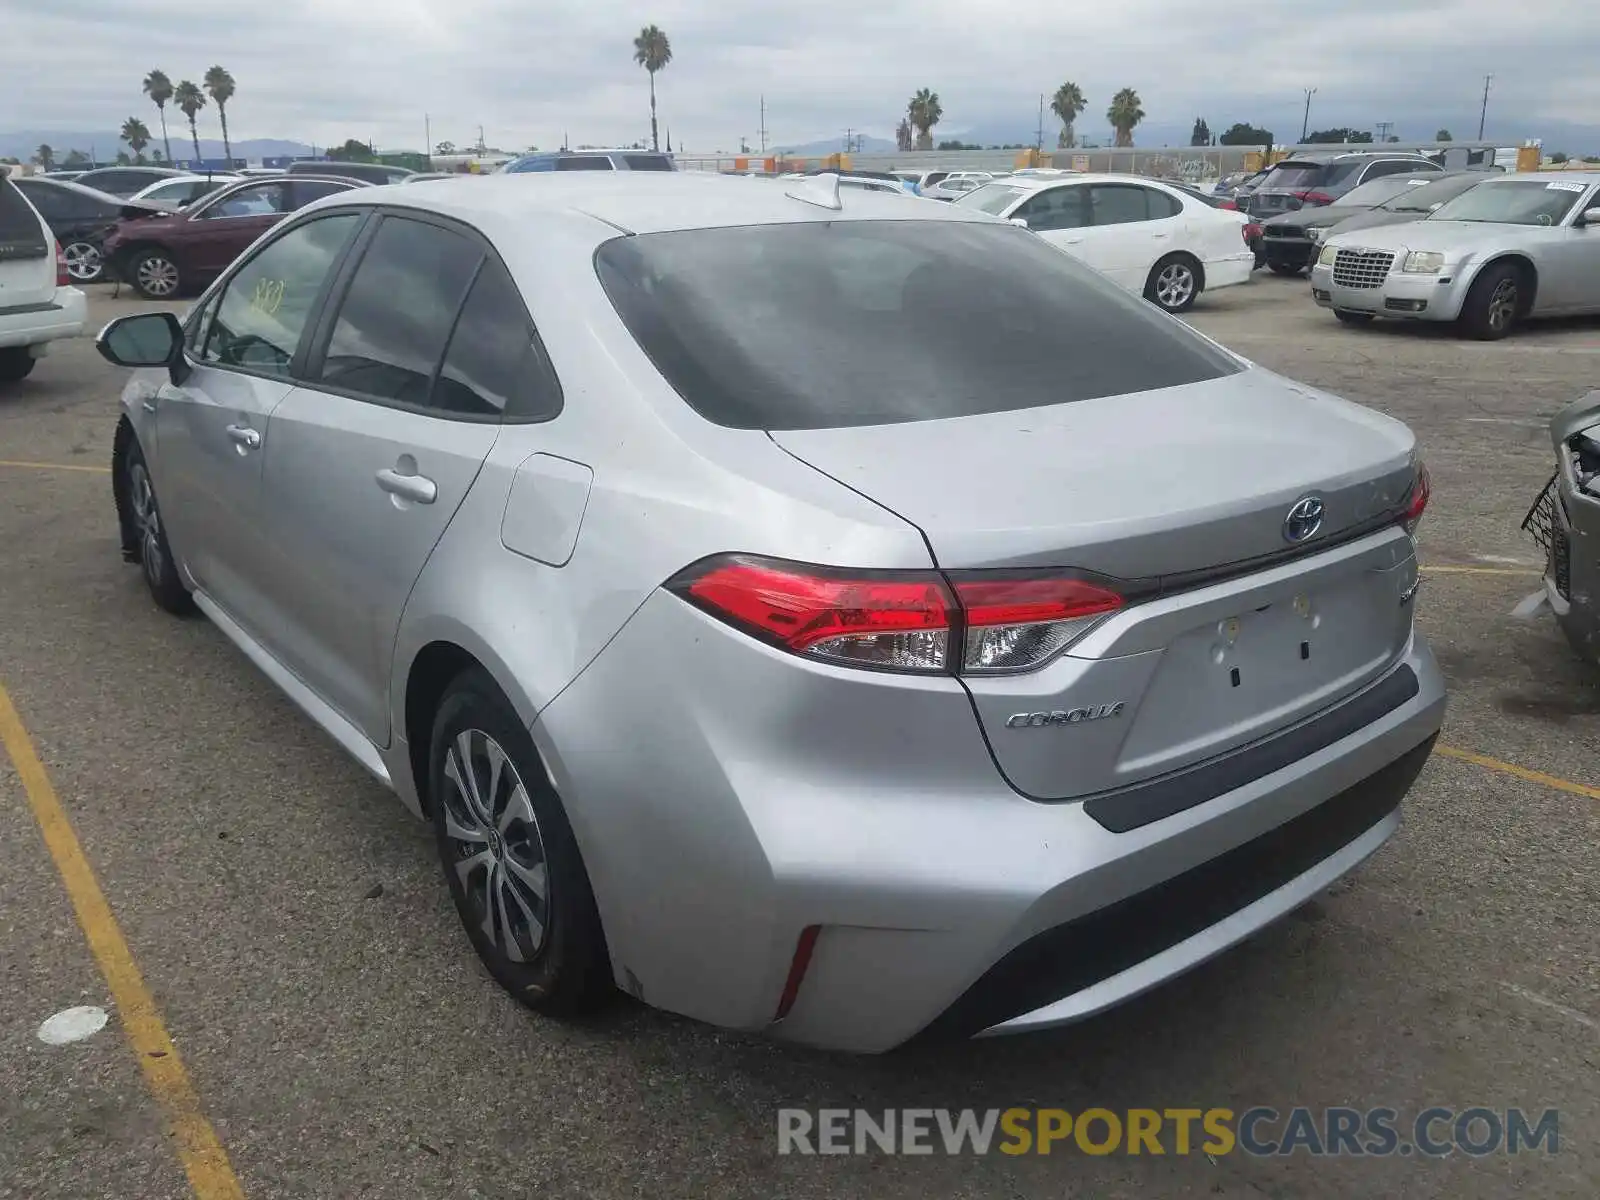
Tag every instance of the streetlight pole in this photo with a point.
(1305, 125)
(1483, 113)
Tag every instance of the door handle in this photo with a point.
(1074, 241)
(244, 436)
(417, 488)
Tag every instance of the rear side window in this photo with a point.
(303, 191)
(647, 162)
(1121, 204)
(20, 233)
(494, 363)
(398, 312)
(826, 324)
(583, 162)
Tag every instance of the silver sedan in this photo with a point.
(1513, 247)
(802, 609)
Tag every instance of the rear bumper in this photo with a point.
(1230, 271)
(63, 316)
(727, 796)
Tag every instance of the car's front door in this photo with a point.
(1059, 215)
(212, 432)
(219, 231)
(1568, 257)
(371, 457)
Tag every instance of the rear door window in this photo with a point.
(398, 312)
(583, 162)
(303, 191)
(823, 324)
(647, 162)
(495, 363)
(1120, 203)
(262, 200)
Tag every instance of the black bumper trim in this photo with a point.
(17, 310)
(1143, 803)
(1106, 942)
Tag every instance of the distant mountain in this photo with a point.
(105, 144)
(869, 145)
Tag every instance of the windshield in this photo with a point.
(825, 324)
(1430, 195)
(1370, 195)
(992, 198)
(1516, 202)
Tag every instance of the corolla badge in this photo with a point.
(1304, 519)
(1068, 716)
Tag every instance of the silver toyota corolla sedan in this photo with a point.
(801, 609)
(1509, 248)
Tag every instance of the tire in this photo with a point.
(1166, 289)
(16, 364)
(84, 262)
(144, 529)
(1495, 302)
(548, 950)
(1353, 318)
(1286, 269)
(153, 273)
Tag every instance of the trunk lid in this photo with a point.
(1186, 490)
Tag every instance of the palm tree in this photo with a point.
(1067, 103)
(1124, 114)
(924, 112)
(45, 156)
(219, 85)
(137, 134)
(652, 51)
(190, 100)
(159, 88)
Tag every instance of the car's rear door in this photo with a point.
(1130, 228)
(212, 432)
(27, 258)
(219, 231)
(374, 452)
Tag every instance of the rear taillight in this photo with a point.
(1313, 198)
(1017, 624)
(1416, 502)
(1251, 231)
(63, 279)
(1228, 205)
(917, 621)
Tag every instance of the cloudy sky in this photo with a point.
(320, 72)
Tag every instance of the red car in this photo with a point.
(162, 253)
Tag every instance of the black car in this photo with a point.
(125, 181)
(1311, 180)
(80, 217)
(1289, 240)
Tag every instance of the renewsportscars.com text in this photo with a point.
(1374, 1132)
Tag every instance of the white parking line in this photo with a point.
(1523, 993)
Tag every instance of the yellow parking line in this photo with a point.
(45, 466)
(1505, 768)
(211, 1176)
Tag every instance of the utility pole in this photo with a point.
(427, 140)
(1483, 113)
(1038, 137)
(1383, 128)
(1305, 125)
(763, 126)
(847, 142)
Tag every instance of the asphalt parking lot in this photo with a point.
(337, 1034)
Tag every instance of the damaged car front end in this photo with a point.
(1565, 522)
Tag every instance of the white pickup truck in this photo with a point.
(37, 305)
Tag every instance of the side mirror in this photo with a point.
(145, 340)
(1589, 216)
(1021, 222)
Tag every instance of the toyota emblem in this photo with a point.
(1304, 520)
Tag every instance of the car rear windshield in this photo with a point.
(1295, 177)
(826, 324)
(20, 234)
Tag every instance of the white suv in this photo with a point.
(36, 304)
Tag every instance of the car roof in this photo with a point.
(1035, 183)
(1542, 176)
(645, 202)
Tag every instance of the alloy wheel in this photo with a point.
(157, 276)
(499, 854)
(147, 517)
(1503, 305)
(1174, 286)
(83, 261)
